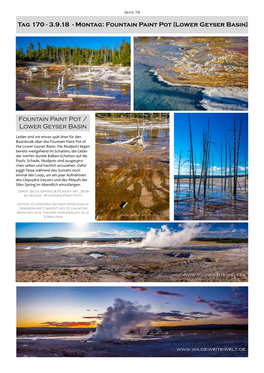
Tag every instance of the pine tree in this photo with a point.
(125, 55)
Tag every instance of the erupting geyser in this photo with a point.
(120, 318)
(164, 237)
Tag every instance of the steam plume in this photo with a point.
(164, 237)
(120, 318)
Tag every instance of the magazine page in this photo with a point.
(127, 187)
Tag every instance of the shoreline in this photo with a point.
(214, 96)
(209, 65)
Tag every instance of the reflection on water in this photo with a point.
(60, 83)
(132, 169)
(155, 137)
(182, 344)
(74, 337)
(218, 204)
(152, 94)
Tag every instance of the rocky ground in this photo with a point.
(197, 261)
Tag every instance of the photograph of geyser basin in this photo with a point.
(73, 73)
(132, 321)
(211, 166)
(190, 73)
(132, 166)
(131, 252)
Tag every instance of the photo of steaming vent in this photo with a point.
(132, 321)
(73, 73)
(137, 252)
(211, 166)
(132, 166)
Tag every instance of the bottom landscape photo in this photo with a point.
(133, 321)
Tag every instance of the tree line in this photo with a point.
(76, 56)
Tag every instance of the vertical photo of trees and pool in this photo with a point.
(211, 166)
(73, 73)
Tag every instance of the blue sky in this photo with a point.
(38, 305)
(92, 42)
(122, 230)
(221, 126)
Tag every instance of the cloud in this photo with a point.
(139, 288)
(67, 324)
(237, 294)
(242, 169)
(203, 313)
(168, 294)
(170, 316)
(223, 232)
(236, 310)
(178, 315)
(185, 169)
(127, 233)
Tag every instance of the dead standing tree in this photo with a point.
(230, 170)
(207, 140)
(245, 175)
(225, 164)
(221, 167)
(236, 155)
(179, 172)
(192, 160)
(207, 158)
(212, 172)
